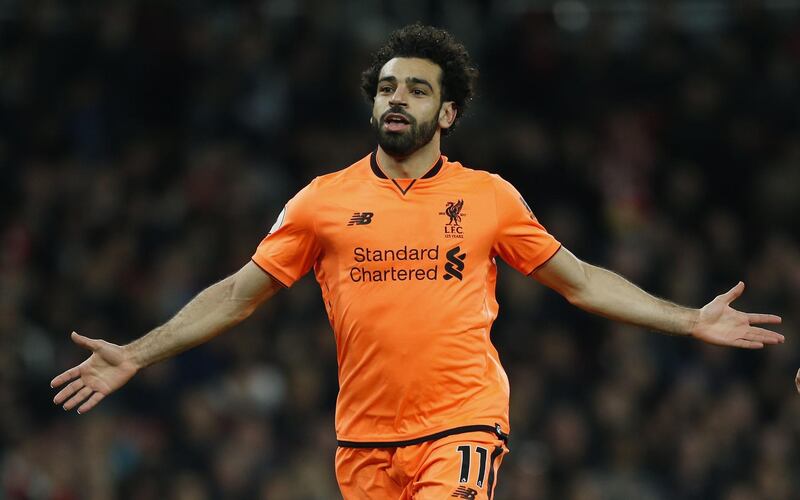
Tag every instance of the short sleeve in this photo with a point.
(520, 239)
(291, 248)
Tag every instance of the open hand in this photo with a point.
(720, 324)
(105, 371)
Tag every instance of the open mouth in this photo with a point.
(396, 122)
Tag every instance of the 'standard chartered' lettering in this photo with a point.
(388, 272)
(360, 273)
(362, 254)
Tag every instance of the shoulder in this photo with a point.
(333, 181)
(506, 197)
(481, 179)
(326, 190)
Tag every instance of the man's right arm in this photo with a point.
(214, 310)
(211, 312)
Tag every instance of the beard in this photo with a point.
(404, 144)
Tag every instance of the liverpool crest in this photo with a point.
(453, 228)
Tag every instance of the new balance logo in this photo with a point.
(360, 218)
(464, 492)
(455, 263)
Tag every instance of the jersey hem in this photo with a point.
(281, 283)
(555, 247)
(273, 271)
(495, 429)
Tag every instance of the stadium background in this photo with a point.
(146, 147)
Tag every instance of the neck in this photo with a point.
(413, 166)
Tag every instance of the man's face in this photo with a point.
(408, 105)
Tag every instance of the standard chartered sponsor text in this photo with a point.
(366, 271)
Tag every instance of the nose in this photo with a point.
(399, 97)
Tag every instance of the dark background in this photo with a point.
(147, 146)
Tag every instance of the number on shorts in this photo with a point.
(466, 453)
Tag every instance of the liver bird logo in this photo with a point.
(453, 211)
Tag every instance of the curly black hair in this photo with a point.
(459, 75)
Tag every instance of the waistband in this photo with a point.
(496, 430)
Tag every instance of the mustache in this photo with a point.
(399, 111)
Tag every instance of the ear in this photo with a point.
(447, 114)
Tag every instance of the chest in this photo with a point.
(383, 219)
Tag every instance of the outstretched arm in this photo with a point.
(607, 294)
(210, 313)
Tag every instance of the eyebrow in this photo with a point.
(409, 80)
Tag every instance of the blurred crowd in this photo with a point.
(146, 148)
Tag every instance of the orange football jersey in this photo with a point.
(407, 271)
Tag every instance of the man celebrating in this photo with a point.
(403, 244)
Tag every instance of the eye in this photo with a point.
(385, 89)
(419, 92)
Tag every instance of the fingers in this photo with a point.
(74, 372)
(747, 344)
(77, 392)
(91, 402)
(762, 335)
(65, 377)
(733, 293)
(85, 342)
(68, 391)
(755, 319)
(78, 398)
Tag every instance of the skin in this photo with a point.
(414, 85)
(214, 310)
(225, 304)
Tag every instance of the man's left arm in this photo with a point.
(602, 292)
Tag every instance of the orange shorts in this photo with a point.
(457, 466)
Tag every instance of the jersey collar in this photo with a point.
(376, 169)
